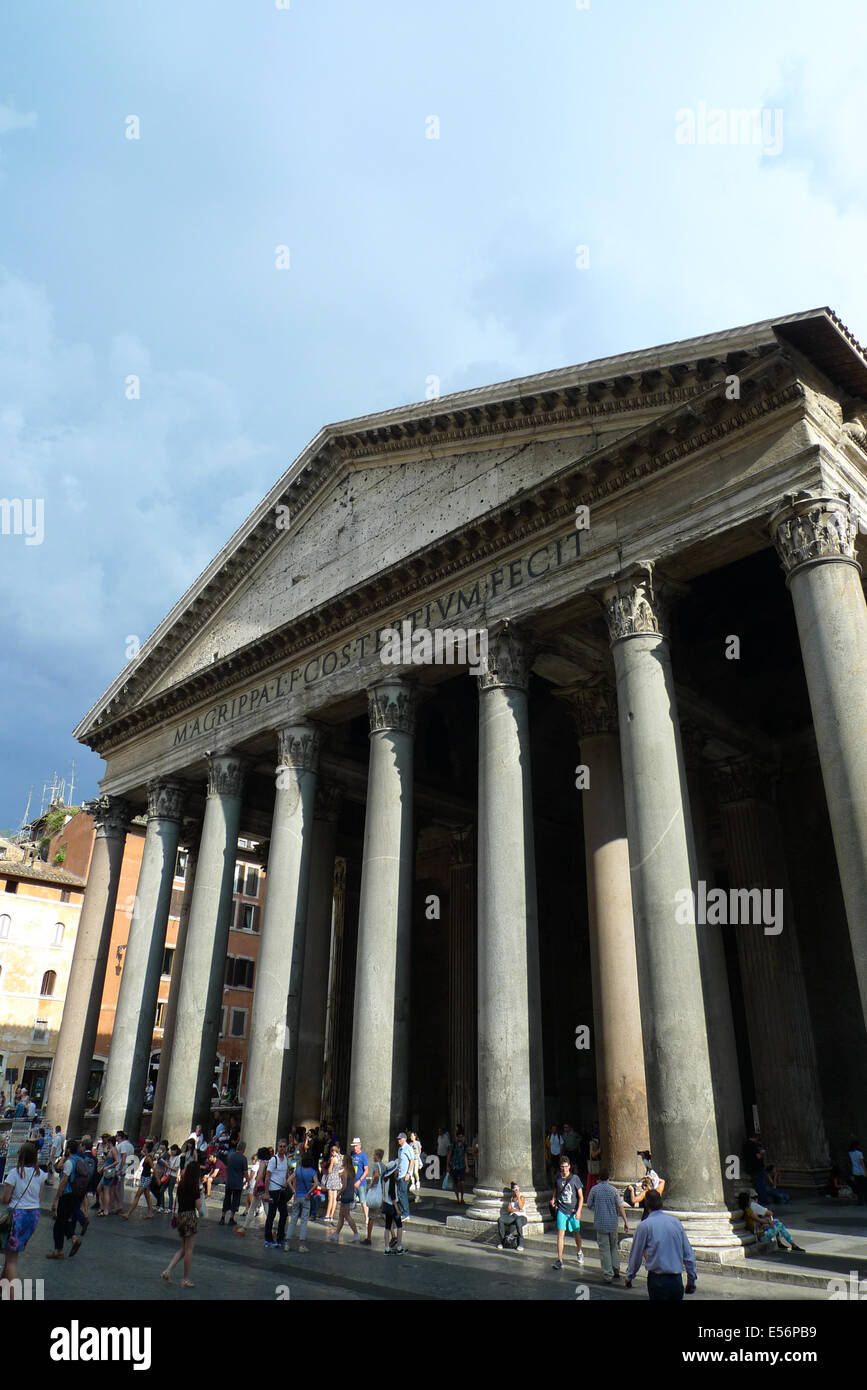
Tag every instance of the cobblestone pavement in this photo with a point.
(122, 1260)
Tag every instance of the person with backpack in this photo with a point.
(86, 1157)
(511, 1226)
(258, 1195)
(391, 1209)
(74, 1181)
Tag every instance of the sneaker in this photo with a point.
(521, 1250)
(387, 1250)
(74, 1247)
(356, 1238)
(798, 1247)
(367, 1241)
(287, 1247)
(499, 1247)
(580, 1257)
(303, 1249)
(270, 1245)
(399, 1250)
(332, 1235)
(55, 1255)
(558, 1264)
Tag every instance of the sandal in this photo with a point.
(187, 1284)
(165, 1275)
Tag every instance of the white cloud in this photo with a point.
(10, 119)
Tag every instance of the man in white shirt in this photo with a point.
(127, 1164)
(278, 1194)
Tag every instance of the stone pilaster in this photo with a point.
(680, 1098)
(621, 1087)
(511, 1089)
(191, 833)
(197, 1027)
(462, 1075)
(67, 1095)
(274, 1032)
(815, 540)
(314, 998)
(132, 1033)
(772, 979)
(378, 1090)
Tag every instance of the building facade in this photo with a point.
(614, 870)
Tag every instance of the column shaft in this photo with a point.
(191, 1065)
(67, 1095)
(463, 1050)
(193, 831)
(273, 1057)
(511, 1089)
(380, 1037)
(132, 1034)
(815, 538)
(314, 998)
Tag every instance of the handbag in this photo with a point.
(7, 1211)
(174, 1220)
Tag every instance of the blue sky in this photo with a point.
(409, 257)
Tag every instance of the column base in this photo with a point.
(488, 1204)
(711, 1234)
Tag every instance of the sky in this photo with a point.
(468, 191)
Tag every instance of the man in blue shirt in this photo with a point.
(663, 1240)
(405, 1156)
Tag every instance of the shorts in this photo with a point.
(24, 1223)
(108, 1180)
(362, 1192)
(564, 1219)
(392, 1217)
(347, 1198)
(188, 1223)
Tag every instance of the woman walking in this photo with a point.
(173, 1169)
(333, 1181)
(108, 1167)
(189, 1197)
(374, 1193)
(143, 1184)
(21, 1194)
(415, 1166)
(457, 1165)
(347, 1197)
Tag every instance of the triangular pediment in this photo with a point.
(375, 492)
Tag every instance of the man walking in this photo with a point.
(361, 1164)
(663, 1240)
(278, 1195)
(126, 1154)
(66, 1207)
(568, 1201)
(236, 1176)
(606, 1204)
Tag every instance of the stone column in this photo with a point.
(680, 1097)
(338, 1020)
(815, 539)
(273, 1056)
(378, 1088)
(463, 1051)
(714, 972)
(190, 835)
(197, 1027)
(511, 1094)
(621, 1088)
(785, 1070)
(67, 1095)
(132, 1034)
(314, 998)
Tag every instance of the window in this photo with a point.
(176, 903)
(40, 1030)
(168, 957)
(239, 1022)
(59, 929)
(160, 1015)
(222, 1023)
(239, 972)
(49, 981)
(181, 864)
(243, 844)
(5, 926)
(11, 886)
(64, 895)
(240, 870)
(251, 888)
(247, 917)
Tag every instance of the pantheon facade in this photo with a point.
(618, 874)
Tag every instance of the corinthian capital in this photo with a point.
(594, 706)
(112, 815)
(808, 530)
(298, 747)
(632, 606)
(745, 779)
(165, 799)
(508, 661)
(225, 774)
(391, 706)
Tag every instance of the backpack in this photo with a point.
(82, 1173)
(510, 1239)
